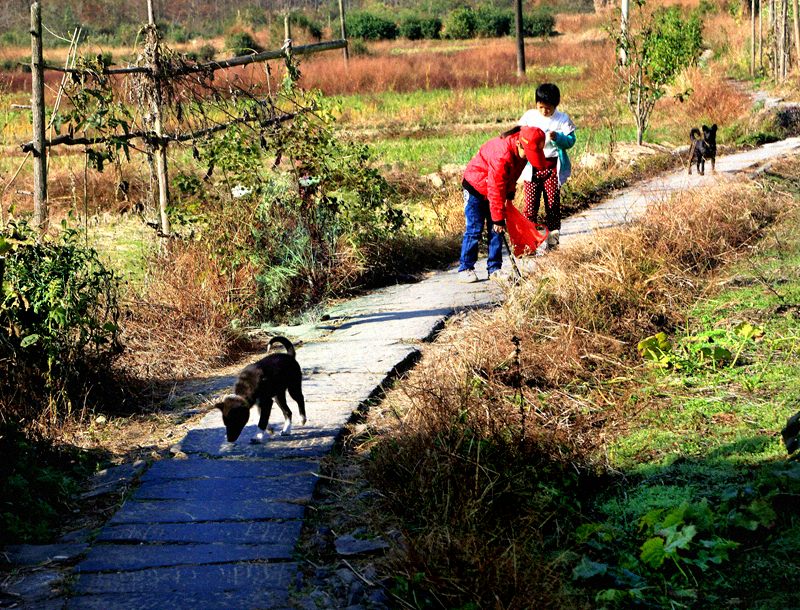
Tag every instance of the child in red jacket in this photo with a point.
(490, 181)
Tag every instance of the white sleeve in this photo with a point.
(566, 126)
(528, 118)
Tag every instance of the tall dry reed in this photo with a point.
(504, 420)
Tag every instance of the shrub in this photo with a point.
(369, 26)
(491, 22)
(460, 24)
(313, 28)
(675, 44)
(415, 27)
(58, 322)
(538, 23)
(431, 27)
(206, 52)
(37, 485)
(241, 43)
(411, 27)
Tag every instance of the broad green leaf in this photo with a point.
(746, 330)
(588, 568)
(680, 539)
(653, 552)
(29, 340)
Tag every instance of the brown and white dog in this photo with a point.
(271, 377)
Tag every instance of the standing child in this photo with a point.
(489, 182)
(547, 182)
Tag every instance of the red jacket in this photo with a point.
(493, 173)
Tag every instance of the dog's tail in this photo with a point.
(695, 134)
(285, 343)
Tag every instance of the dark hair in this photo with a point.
(510, 132)
(548, 93)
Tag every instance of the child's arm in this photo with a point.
(564, 140)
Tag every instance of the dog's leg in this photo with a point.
(713, 162)
(265, 408)
(287, 414)
(296, 393)
(701, 165)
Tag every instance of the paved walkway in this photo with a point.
(218, 528)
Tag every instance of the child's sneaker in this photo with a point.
(468, 276)
(553, 239)
(542, 249)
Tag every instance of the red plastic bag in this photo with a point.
(524, 234)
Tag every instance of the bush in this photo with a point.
(491, 22)
(411, 27)
(369, 26)
(538, 23)
(675, 43)
(431, 27)
(313, 28)
(460, 24)
(242, 43)
(58, 322)
(37, 485)
(206, 52)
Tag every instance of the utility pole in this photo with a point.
(40, 214)
(520, 37)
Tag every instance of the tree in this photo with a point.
(656, 46)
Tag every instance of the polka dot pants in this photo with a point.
(544, 182)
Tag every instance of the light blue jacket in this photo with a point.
(564, 142)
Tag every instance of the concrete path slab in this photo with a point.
(216, 530)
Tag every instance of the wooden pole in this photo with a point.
(752, 37)
(287, 28)
(520, 37)
(156, 98)
(796, 24)
(343, 27)
(760, 35)
(40, 214)
(623, 56)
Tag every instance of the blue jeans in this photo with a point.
(476, 213)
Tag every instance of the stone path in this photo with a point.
(217, 529)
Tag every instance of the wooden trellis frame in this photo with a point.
(155, 138)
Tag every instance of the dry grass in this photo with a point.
(179, 326)
(713, 99)
(480, 426)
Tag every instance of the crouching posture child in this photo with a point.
(489, 182)
(547, 181)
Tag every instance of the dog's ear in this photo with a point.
(228, 402)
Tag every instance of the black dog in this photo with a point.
(271, 377)
(704, 146)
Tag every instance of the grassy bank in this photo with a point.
(540, 454)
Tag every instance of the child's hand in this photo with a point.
(552, 136)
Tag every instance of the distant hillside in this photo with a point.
(117, 21)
